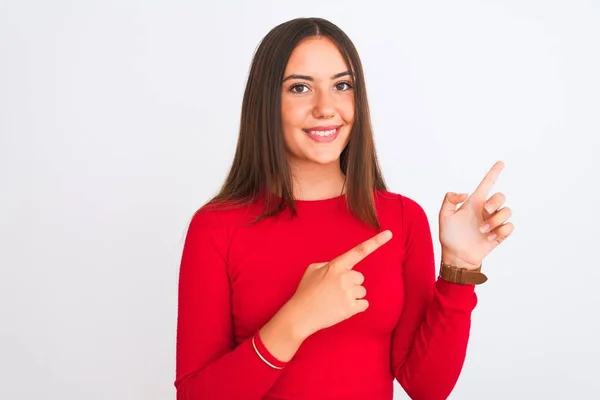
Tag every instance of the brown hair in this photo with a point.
(260, 162)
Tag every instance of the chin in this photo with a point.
(324, 159)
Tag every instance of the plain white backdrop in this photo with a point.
(118, 119)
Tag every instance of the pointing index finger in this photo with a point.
(352, 257)
(489, 180)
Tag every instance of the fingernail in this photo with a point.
(492, 236)
(489, 208)
(485, 228)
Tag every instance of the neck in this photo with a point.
(317, 182)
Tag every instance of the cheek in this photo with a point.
(293, 113)
(346, 110)
(292, 118)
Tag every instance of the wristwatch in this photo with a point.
(461, 276)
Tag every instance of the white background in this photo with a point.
(118, 119)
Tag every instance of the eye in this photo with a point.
(298, 89)
(343, 86)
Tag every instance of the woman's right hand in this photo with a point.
(331, 292)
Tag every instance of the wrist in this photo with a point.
(282, 336)
(296, 325)
(450, 258)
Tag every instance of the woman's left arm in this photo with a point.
(430, 341)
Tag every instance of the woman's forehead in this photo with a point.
(319, 58)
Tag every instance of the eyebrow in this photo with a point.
(310, 78)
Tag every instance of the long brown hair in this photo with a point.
(260, 162)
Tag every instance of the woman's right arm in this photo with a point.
(208, 365)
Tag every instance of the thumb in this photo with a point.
(451, 200)
(318, 265)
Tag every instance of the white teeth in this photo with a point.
(323, 133)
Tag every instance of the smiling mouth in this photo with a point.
(323, 134)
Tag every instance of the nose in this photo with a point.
(324, 107)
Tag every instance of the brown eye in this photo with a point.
(298, 89)
(343, 86)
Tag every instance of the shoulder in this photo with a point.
(398, 203)
(212, 225)
(225, 214)
(401, 212)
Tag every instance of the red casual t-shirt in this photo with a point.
(235, 276)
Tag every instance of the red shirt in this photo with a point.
(234, 277)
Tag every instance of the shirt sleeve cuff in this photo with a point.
(265, 355)
(456, 296)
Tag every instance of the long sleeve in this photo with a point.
(430, 341)
(208, 366)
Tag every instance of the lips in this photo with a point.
(323, 133)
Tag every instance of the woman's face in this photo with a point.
(317, 102)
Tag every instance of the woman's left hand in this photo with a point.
(468, 234)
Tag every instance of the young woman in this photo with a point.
(305, 278)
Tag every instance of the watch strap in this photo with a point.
(461, 276)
